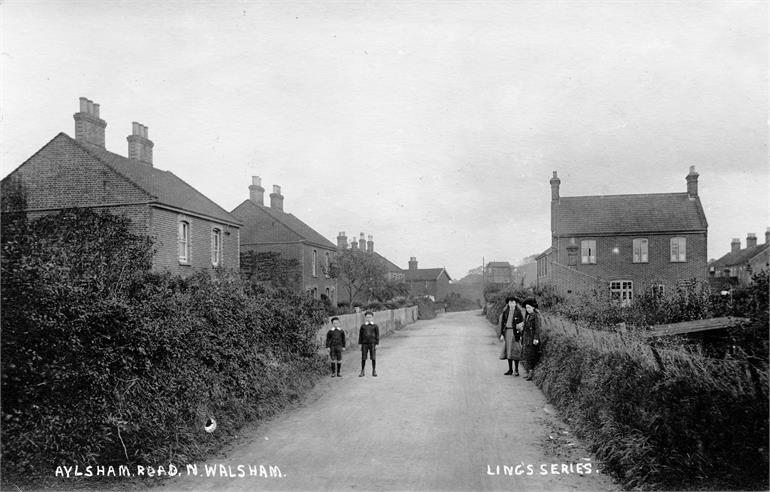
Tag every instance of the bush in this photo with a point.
(670, 419)
(496, 301)
(375, 306)
(104, 362)
(426, 309)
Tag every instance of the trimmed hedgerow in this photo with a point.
(106, 363)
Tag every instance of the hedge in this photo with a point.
(104, 362)
(668, 418)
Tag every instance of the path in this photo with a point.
(441, 415)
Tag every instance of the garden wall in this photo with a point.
(388, 321)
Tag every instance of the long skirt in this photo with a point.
(529, 356)
(511, 349)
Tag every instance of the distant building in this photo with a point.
(190, 231)
(625, 243)
(739, 265)
(271, 229)
(499, 272)
(427, 281)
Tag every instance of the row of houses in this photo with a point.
(191, 232)
(638, 242)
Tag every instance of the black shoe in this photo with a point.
(339, 375)
(361, 374)
(333, 375)
(516, 373)
(374, 373)
(508, 373)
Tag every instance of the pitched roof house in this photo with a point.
(499, 272)
(739, 265)
(272, 229)
(427, 281)
(627, 243)
(190, 231)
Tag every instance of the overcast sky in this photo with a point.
(434, 126)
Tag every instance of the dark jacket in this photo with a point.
(369, 334)
(335, 338)
(531, 329)
(517, 318)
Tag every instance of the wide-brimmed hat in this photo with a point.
(531, 302)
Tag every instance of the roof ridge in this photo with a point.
(628, 194)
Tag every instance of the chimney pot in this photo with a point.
(256, 192)
(735, 245)
(370, 244)
(751, 240)
(555, 182)
(89, 128)
(342, 240)
(412, 263)
(276, 199)
(139, 146)
(692, 182)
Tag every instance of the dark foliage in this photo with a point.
(104, 362)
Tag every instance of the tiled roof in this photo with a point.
(618, 214)
(304, 231)
(392, 267)
(503, 264)
(739, 257)
(165, 186)
(424, 274)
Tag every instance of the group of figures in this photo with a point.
(368, 339)
(520, 335)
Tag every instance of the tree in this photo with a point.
(360, 274)
(391, 289)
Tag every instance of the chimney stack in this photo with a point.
(555, 182)
(370, 244)
(751, 240)
(767, 236)
(362, 242)
(354, 245)
(276, 199)
(139, 145)
(735, 245)
(692, 183)
(412, 264)
(342, 241)
(256, 192)
(89, 128)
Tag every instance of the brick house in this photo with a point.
(625, 243)
(499, 272)
(270, 229)
(393, 273)
(739, 265)
(427, 281)
(190, 231)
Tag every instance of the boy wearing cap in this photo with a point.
(335, 342)
(368, 338)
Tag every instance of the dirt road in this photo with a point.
(440, 415)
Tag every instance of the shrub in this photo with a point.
(426, 309)
(104, 362)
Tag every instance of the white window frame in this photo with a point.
(586, 247)
(315, 266)
(216, 246)
(183, 241)
(678, 249)
(624, 290)
(326, 269)
(641, 250)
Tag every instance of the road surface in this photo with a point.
(440, 415)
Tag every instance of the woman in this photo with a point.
(530, 337)
(510, 333)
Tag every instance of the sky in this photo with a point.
(433, 126)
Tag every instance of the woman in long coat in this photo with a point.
(510, 333)
(530, 337)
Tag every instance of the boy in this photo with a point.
(368, 338)
(335, 342)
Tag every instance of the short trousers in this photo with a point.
(370, 348)
(335, 353)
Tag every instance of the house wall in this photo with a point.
(319, 282)
(62, 175)
(164, 230)
(614, 255)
